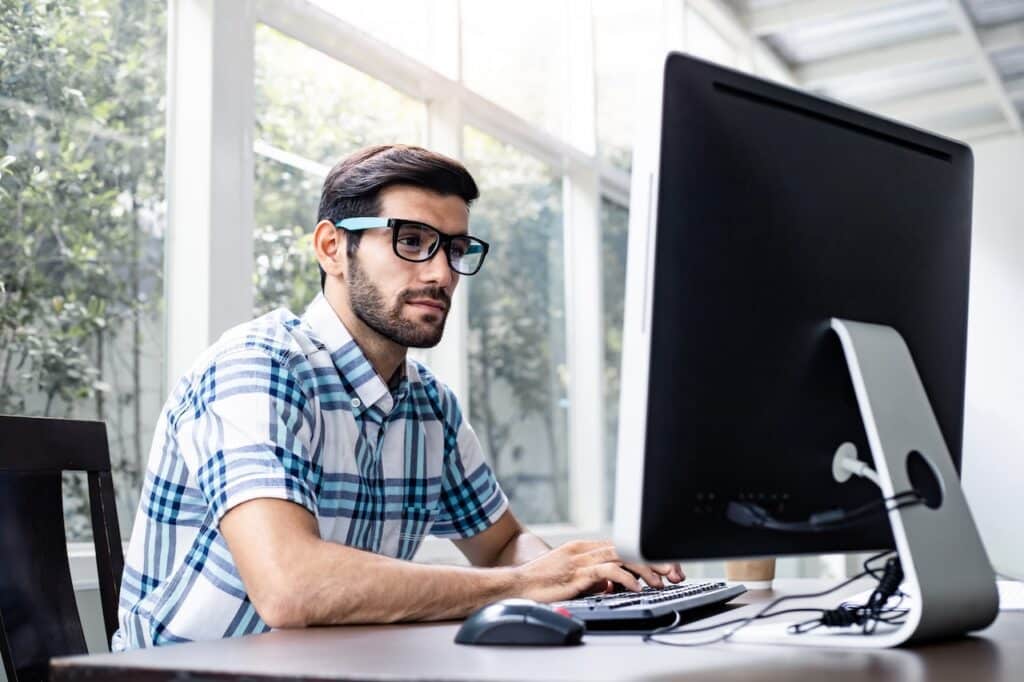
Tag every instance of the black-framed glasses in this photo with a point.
(418, 242)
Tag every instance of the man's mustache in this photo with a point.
(434, 293)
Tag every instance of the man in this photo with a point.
(298, 465)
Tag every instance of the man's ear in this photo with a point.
(329, 245)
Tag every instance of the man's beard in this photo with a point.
(368, 305)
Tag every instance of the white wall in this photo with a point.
(993, 461)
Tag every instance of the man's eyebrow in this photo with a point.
(463, 233)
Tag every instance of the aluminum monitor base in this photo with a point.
(948, 576)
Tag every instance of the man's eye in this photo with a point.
(409, 241)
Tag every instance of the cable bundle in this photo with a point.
(869, 615)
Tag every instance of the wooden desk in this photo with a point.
(427, 652)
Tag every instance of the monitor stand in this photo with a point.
(948, 577)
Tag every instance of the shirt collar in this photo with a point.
(350, 361)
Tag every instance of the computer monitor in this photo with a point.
(758, 213)
(797, 282)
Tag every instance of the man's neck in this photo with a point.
(386, 356)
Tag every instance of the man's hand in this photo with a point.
(581, 566)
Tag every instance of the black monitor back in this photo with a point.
(777, 211)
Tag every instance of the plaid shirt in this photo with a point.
(291, 409)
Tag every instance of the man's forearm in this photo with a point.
(338, 584)
(523, 547)
(294, 578)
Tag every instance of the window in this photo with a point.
(82, 109)
(514, 55)
(627, 39)
(81, 249)
(399, 23)
(311, 111)
(516, 346)
(614, 242)
(704, 41)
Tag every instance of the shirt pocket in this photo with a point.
(416, 523)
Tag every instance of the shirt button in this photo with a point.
(356, 402)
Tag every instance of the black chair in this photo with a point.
(38, 615)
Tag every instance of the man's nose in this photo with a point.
(436, 269)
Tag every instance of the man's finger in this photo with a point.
(600, 587)
(674, 572)
(616, 574)
(649, 575)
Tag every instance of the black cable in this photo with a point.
(750, 515)
(907, 498)
(870, 506)
(868, 615)
(760, 615)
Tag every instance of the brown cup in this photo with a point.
(756, 574)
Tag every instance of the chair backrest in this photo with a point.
(38, 615)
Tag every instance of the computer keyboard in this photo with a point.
(651, 602)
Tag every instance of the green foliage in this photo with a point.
(517, 309)
(81, 200)
(285, 272)
(81, 215)
(312, 106)
(614, 242)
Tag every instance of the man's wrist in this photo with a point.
(521, 548)
(506, 582)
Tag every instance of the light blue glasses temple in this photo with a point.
(357, 224)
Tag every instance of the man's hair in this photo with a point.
(352, 188)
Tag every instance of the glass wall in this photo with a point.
(402, 24)
(516, 346)
(627, 39)
(704, 41)
(82, 89)
(515, 55)
(82, 116)
(515, 343)
(614, 242)
(310, 112)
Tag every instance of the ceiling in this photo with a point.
(952, 66)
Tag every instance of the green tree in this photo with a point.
(519, 212)
(614, 245)
(319, 110)
(81, 195)
(81, 199)
(517, 311)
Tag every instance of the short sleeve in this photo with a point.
(471, 499)
(251, 430)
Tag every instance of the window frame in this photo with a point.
(210, 176)
(450, 107)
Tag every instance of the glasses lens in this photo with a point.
(415, 242)
(466, 255)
